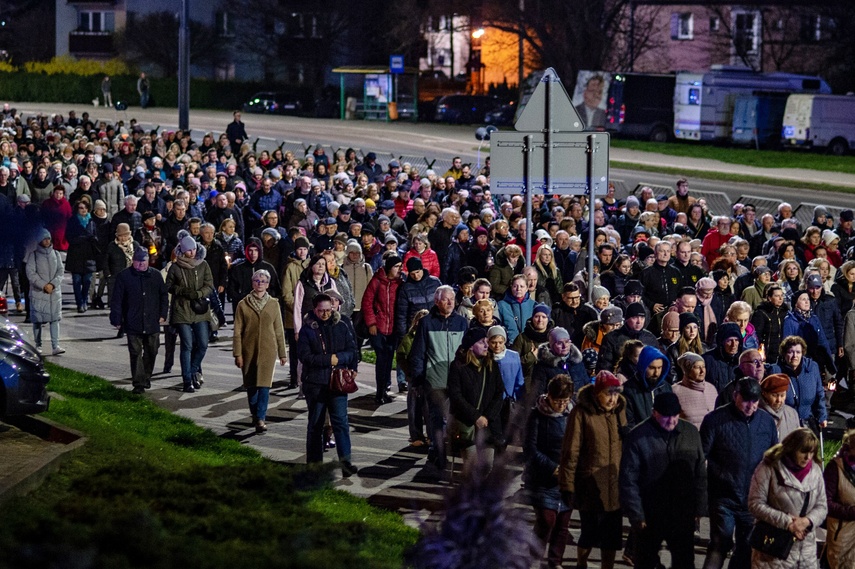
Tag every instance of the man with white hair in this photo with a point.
(437, 338)
(128, 215)
(716, 237)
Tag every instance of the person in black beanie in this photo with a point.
(633, 328)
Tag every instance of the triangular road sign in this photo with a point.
(549, 99)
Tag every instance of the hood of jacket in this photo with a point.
(648, 355)
(314, 323)
(511, 299)
(545, 355)
(727, 330)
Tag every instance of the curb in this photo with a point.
(31, 476)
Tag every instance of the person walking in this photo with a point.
(190, 283)
(662, 458)
(544, 436)
(257, 321)
(143, 90)
(590, 463)
(44, 271)
(326, 342)
(139, 307)
(788, 492)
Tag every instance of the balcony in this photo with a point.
(90, 43)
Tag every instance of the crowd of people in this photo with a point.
(696, 358)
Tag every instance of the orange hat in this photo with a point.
(775, 383)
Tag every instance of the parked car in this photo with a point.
(24, 379)
(502, 116)
(465, 109)
(272, 103)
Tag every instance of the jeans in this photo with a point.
(258, 398)
(194, 345)
(54, 334)
(80, 283)
(11, 274)
(384, 347)
(319, 401)
(143, 351)
(144, 99)
(437, 404)
(726, 516)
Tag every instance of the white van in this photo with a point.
(820, 121)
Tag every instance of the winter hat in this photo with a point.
(472, 337)
(599, 292)
(611, 315)
(370, 203)
(123, 229)
(541, 309)
(589, 358)
(670, 320)
(480, 230)
(728, 330)
(497, 331)
(829, 237)
(688, 360)
(797, 295)
(272, 233)
(353, 247)
(706, 283)
(606, 380)
(635, 309)
(687, 318)
(100, 204)
(24, 198)
(140, 254)
(187, 243)
(414, 264)
(390, 239)
(633, 288)
(467, 274)
(775, 383)
(460, 228)
(749, 388)
(667, 404)
(648, 355)
(341, 238)
(820, 210)
(631, 201)
(559, 333)
(391, 262)
(847, 215)
(644, 251)
(301, 241)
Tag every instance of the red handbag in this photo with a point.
(343, 380)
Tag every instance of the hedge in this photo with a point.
(77, 89)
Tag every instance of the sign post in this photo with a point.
(550, 153)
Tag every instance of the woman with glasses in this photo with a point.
(257, 321)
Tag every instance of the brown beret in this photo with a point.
(775, 383)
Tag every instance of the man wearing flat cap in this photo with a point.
(734, 438)
(663, 458)
(139, 306)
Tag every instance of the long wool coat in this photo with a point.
(44, 265)
(259, 338)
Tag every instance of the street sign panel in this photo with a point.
(549, 108)
(396, 64)
(579, 160)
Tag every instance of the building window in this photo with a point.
(715, 23)
(746, 32)
(225, 25)
(295, 26)
(682, 26)
(90, 21)
(225, 71)
(814, 28)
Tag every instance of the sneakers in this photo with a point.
(348, 469)
(57, 351)
(198, 380)
(189, 388)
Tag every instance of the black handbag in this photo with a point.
(774, 541)
(200, 305)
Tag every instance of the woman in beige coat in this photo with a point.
(840, 492)
(257, 320)
(790, 473)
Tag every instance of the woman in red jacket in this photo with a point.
(378, 312)
(420, 249)
(57, 211)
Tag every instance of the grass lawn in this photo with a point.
(150, 489)
(745, 156)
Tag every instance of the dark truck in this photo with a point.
(641, 105)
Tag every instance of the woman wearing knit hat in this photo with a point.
(774, 390)
(689, 341)
(535, 333)
(590, 463)
(697, 397)
(511, 370)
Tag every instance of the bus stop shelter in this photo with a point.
(384, 96)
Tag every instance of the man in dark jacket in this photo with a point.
(691, 273)
(723, 360)
(663, 458)
(236, 133)
(734, 438)
(632, 329)
(416, 293)
(239, 280)
(175, 222)
(568, 314)
(649, 382)
(768, 321)
(139, 306)
(661, 280)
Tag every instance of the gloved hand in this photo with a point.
(567, 498)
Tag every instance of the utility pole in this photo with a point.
(184, 67)
(521, 51)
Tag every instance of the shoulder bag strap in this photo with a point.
(483, 384)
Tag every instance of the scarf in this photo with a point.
(544, 407)
(695, 385)
(257, 303)
(84, 219)
(127, 249)
(500, 357)
(799, 472)
(709, 315)
(185, 262)
(227, 237)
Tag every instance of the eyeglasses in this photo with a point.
(579, 297)
(261, 281)
(324, 310)
(755, 363)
